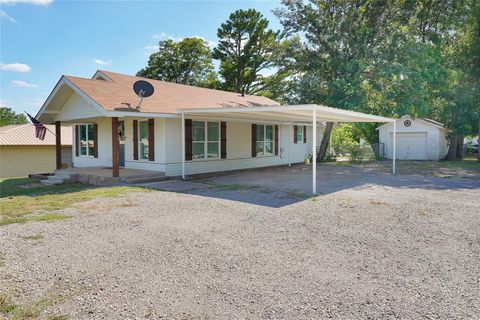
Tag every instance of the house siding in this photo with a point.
(168, 148)
(20, 161)
(104, 146)
(238, 150)
(436, 144)
(77, 108)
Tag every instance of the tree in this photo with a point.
(336, 37)
(8, 116)
(247, 47)
(188, 61)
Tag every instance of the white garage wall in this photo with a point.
(435, 145)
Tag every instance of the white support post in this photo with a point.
(394, 171)
(183, 145)
(290, 142)
(314, 151)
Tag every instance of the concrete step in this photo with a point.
(50, 182)
(65, 174)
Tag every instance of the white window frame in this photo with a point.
(265, 139)
(206, 141)
(87, 140)
(140, 140)
(300, 129)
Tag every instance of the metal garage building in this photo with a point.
(417, 139)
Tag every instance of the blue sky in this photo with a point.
(43, 39)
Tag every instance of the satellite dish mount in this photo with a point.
(143, 89)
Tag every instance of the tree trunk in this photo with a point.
(455, 149)
(460, 150)
(325, 141)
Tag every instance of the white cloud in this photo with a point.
(15, 67)
(165, 36)
(23, 84)
(101, 62)
(5, 15)
(37, 2)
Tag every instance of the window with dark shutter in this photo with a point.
(95, 140)
(188, 139)
(276, 140)
(254, 140)
(304, 134)
(151, 139)
(295, 129)
(135, 139)
(77, 142)
(223, 140)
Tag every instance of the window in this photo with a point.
(85, 139)
(143, 139)
(299, 134)
(265, 140)
(205, 140)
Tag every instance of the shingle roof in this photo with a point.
(168, 97)
(24, 134)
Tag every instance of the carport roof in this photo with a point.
(290, 113)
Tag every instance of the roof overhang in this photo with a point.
(287, 114)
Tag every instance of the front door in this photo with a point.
(121, 139)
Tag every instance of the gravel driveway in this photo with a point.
(382, 247)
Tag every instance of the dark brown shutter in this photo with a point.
(95, 140)
(295, 130)
(77, 141)
(276, 140)
(223, 140)
(304, 134)
(254, 140)
(188, 139)
(151, 139)
(135, 139)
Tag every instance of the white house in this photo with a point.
(182, 130)
(417, 139)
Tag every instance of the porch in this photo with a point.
(100, 176)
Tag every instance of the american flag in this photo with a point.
(40, 129)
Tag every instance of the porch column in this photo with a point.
(183, 145)
(314, 152)
(290, 142)
(115, 148)
(58, 144)
(394, 171)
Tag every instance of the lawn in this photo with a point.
(26, 199)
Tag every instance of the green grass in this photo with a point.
(6, 303)
(20, 205)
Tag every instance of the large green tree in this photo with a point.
(387, 57)
(8, 116)
(188, 61)
(334, 39)
(246, 49)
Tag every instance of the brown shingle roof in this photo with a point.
(24, 134)
(168, 97)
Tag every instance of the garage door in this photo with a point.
(410, 146)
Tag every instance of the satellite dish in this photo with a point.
(143, 89)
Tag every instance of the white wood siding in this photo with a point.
(104, 146)
(77, 108)
(435, 138)
(238, 150)
(159, 163)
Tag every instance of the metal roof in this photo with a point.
(24, 135)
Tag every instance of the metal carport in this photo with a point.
(290, 114)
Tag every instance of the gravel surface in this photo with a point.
(405, 249)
